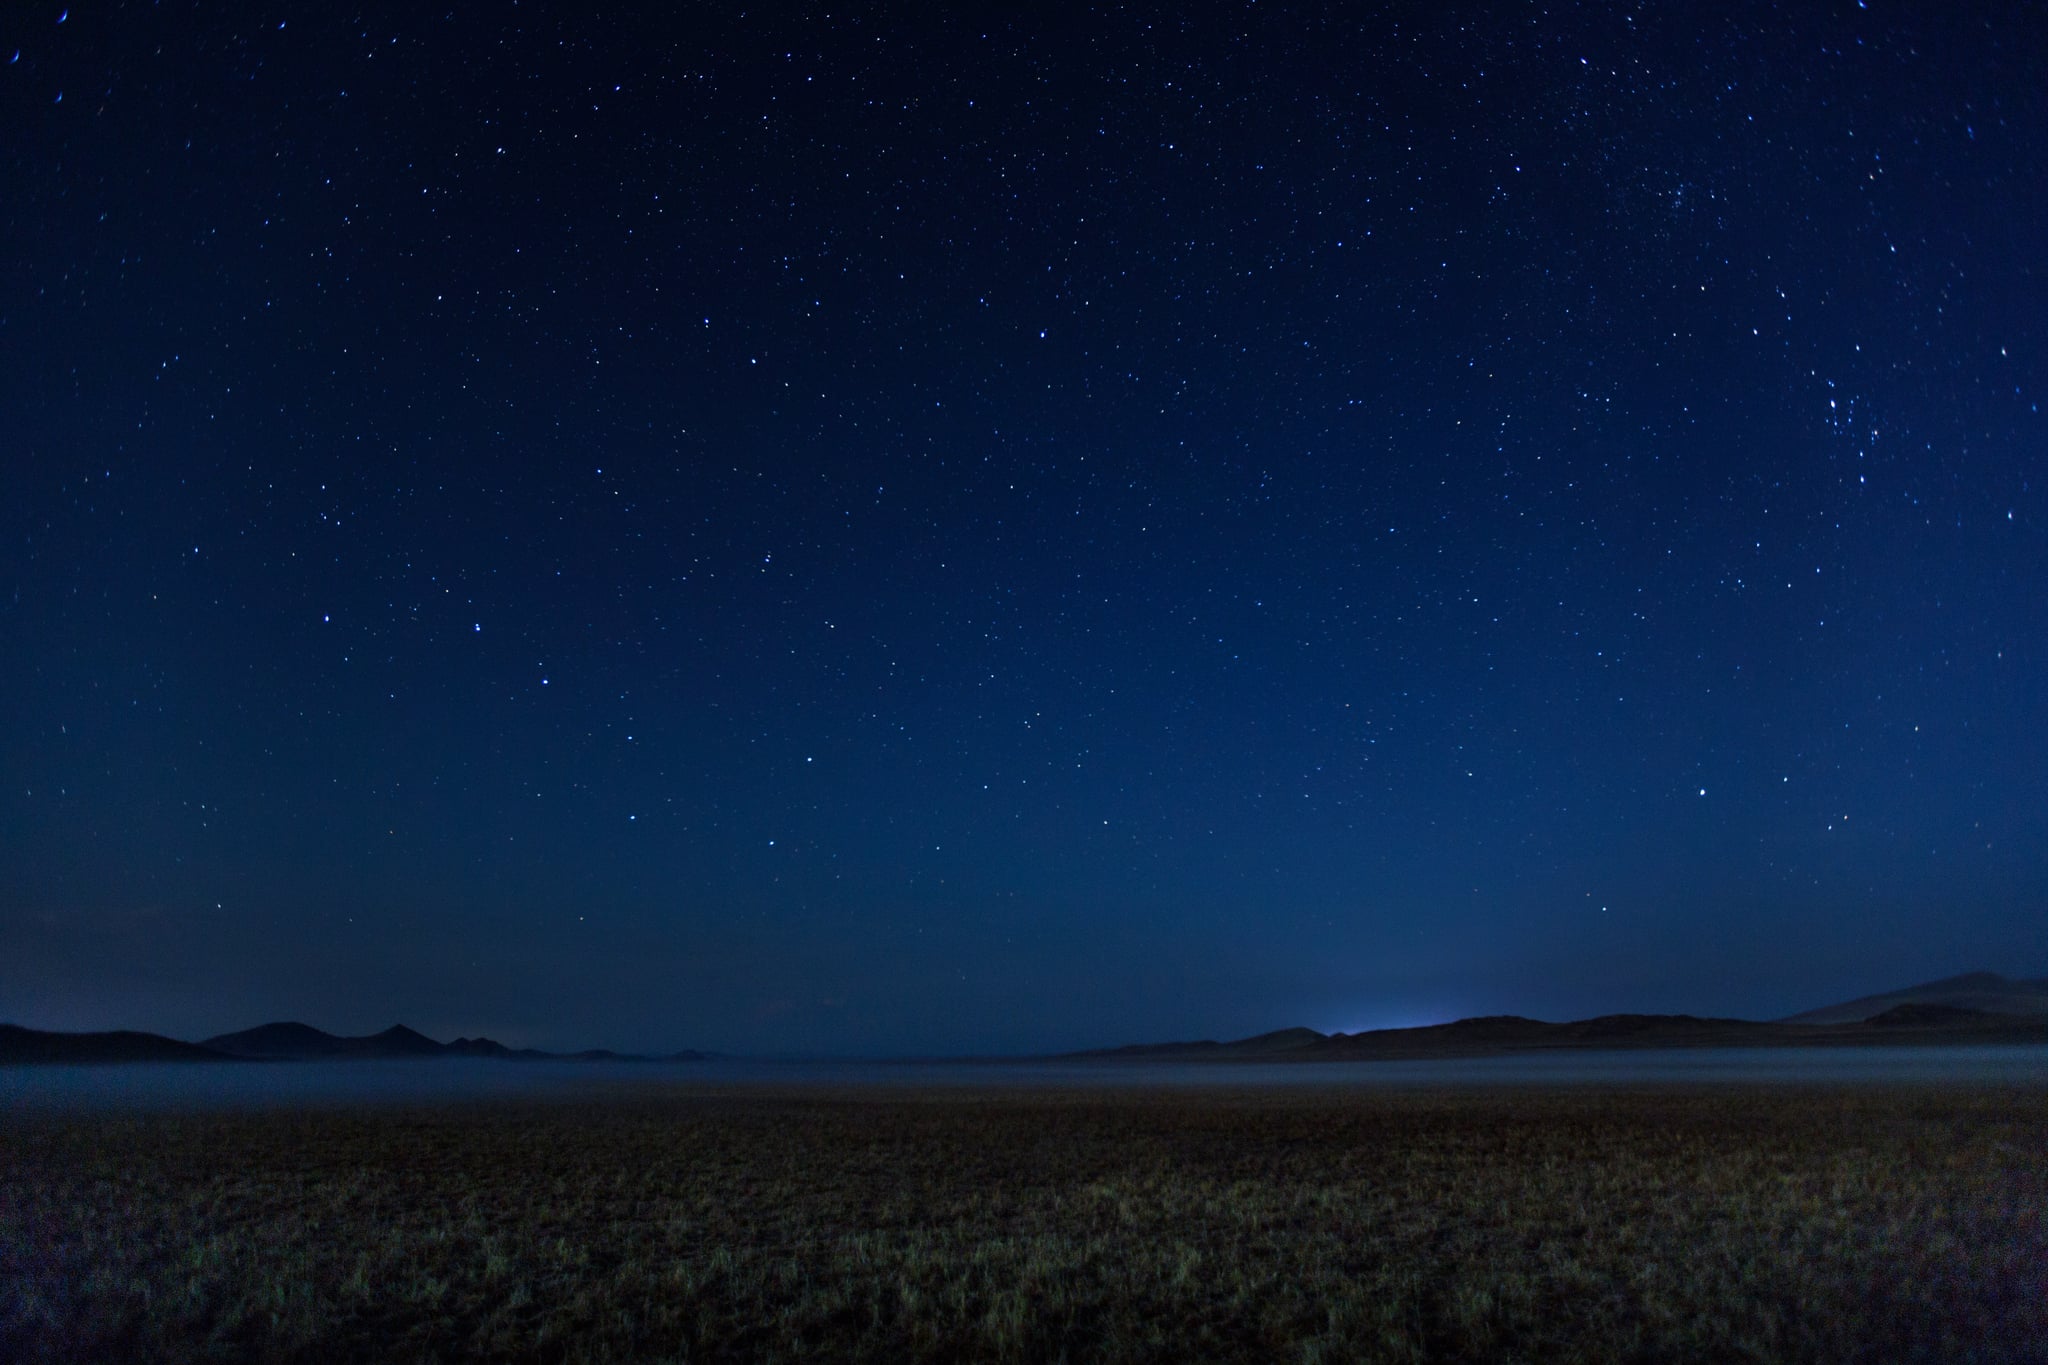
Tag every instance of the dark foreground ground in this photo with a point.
(1541, 1225)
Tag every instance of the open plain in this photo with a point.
(702, 1222)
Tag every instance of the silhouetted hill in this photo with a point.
(486, 1047)
(1924, 1016)
(293, 1042)
(281, 1042)
(400, 1041)
(1510, 1033)
(1987, 992)
(296, 1042)
(27, 1045)
(1905, 1022)
(272, 1041)
(1460, 1037)
(1265, 1044)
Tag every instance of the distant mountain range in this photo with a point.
(1986, 992)
(280, 1043)
(304, 1043)
(1979, 1007)
(19, 1044)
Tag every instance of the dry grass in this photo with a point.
(1540, 1225)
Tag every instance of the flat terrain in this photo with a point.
(1555, 1225)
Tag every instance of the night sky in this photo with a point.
(881, 529)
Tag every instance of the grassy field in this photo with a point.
(1764, 1224)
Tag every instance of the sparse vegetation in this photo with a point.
(1764, 1224)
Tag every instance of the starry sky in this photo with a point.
(886, 529)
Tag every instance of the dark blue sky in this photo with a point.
(887, 528)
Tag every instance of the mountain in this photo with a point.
(1978, 1008)
(27, 1045)
(302, 1042)
(486, 1047)
(1987, 992)
(1277, 1043)
(1930, 1016)
(1511, 1033)
(1461, 1037)
(282, 1042)
(292, 1042)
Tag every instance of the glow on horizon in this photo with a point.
(1414, 1017)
